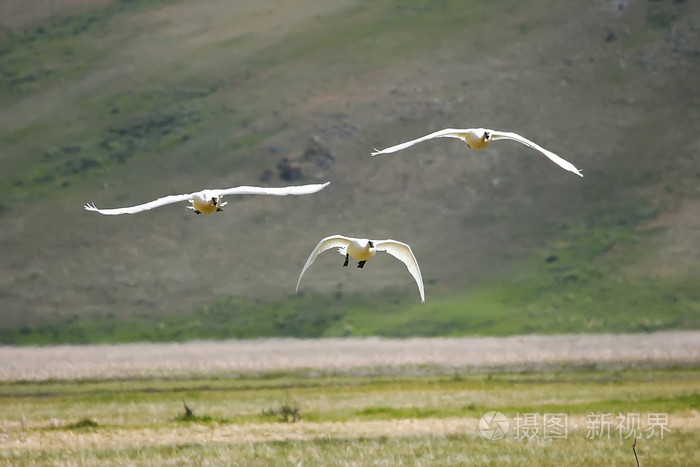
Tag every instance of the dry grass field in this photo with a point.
(359, 402)
(342, 355)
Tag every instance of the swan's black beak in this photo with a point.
(371, 244)
(214, 201)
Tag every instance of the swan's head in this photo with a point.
(477, 138)
(364, 243)
(210, 197)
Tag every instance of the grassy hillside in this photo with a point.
(120, 102)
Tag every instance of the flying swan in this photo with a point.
(362, 249)
(479, 138)
(209, 201)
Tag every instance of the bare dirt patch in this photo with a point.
(676, 248)
(329, 355)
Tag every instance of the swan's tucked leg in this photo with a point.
(219, 210)
(347, 257)
(197, 212)
(361, 264)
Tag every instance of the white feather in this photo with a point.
(208, 194)
(470, 135)
(399, 250)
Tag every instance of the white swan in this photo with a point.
(479, 138)
(363, 249)
(209, 201)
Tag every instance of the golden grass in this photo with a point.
(396, 442)
(126, 430)
(362, 401)
(121, 438)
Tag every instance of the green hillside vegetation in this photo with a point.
(121, 102)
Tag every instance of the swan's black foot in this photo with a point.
(361, 264)
(197, 212)
(219, 210)
(346, 260)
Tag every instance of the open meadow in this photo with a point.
(565, 400)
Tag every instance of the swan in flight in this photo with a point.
(362, 249)
(479, 138)
(209, 201)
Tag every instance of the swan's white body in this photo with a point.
(209, 201)
(362, 249)
(479, 138)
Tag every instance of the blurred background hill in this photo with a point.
(121, 102)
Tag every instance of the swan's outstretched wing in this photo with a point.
(446, 133)
(564, 164)
(141, 207)
(334, 241)
(281, 191)
(403, 252)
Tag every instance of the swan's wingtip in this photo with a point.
(90, 207)
(376, 152)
